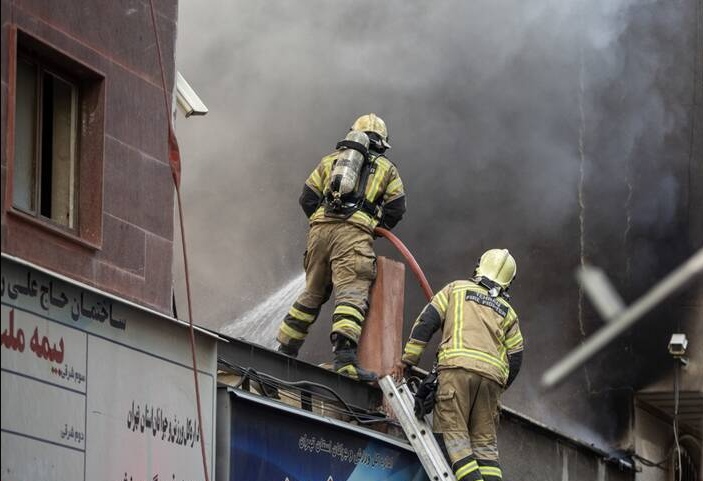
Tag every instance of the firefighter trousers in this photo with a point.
(464, 423)
(338, 254)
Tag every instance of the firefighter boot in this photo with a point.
(345, 361)
(287, 350)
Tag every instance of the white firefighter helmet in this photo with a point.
(497, 265)
(372, 123)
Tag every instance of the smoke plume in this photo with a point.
(557, 129)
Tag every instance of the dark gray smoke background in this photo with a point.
(560, 130)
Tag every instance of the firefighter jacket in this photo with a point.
(383, 193)
(480, 333)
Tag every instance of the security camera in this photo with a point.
(677, 345)
(187, 99)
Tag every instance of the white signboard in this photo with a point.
(93, 389)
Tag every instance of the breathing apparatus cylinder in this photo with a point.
(345, 174)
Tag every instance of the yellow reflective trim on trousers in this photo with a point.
(491, 471)
(300, 315)
(346, 324)
(467, 469)
(350, 311)
(292, 333)
(481, 356)
(458, 319)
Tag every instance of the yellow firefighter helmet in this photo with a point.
(372, 123)
(497, 265)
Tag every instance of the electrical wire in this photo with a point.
(652, 464)
(175, 163)
(676, 447)
(676, 420)
(322, 392)
(265, 380)
(280, 392)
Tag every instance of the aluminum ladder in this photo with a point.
(419, 432)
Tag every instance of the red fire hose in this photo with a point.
(174, 157)
(414, 266)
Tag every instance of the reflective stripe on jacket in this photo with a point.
(478, 331)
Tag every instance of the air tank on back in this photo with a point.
(345, 173)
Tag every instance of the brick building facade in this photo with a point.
(86, 186)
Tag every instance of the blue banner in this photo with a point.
(270, 444)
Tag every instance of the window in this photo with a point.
(58, 119)
(44, 180)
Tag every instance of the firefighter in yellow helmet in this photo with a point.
(479, 356)
(350, 192)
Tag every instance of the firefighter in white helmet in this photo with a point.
(350, 192)
(479, 356)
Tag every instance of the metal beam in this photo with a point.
(689, 270)
(266, 361)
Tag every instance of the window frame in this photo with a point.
(89, 143)
(42, 68)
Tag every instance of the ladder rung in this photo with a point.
(419, 432)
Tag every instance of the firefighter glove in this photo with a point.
(425, 395)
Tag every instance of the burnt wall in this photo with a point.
(126, 248)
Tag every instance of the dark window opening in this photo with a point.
(57, 110)
(45, 166)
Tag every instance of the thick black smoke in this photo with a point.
(559, 130)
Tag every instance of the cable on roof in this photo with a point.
(362, 416)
